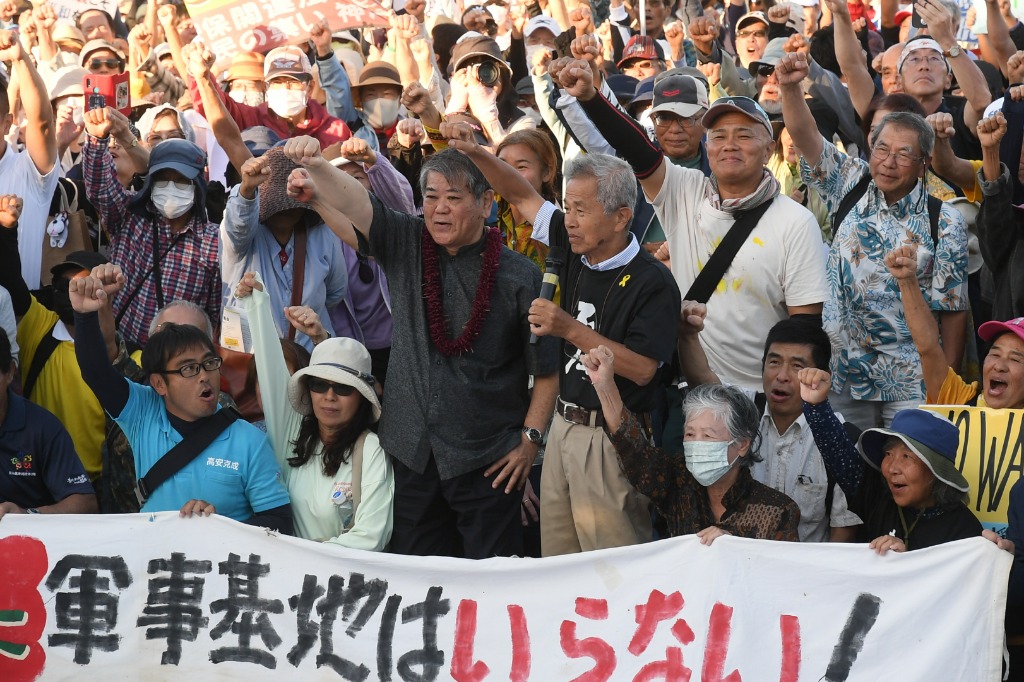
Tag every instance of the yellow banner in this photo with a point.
(991, 456)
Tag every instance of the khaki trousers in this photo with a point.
(586, 501)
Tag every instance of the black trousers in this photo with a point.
(461, 517)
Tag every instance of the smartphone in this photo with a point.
(108, 91)
(915, 19)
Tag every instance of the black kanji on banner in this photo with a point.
(245, 614)
(339, 598)
(89, 612)
(174, 607)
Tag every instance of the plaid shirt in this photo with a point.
(190, 271)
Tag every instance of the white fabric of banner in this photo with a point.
(243, 603)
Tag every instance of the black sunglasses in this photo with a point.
(318, 385)
(108, 63)
(765, 70)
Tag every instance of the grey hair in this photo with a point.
(188, 305)
(908, 121)
(734, 408)
(457, 169)
(615, 177)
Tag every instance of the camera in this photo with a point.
(488, 73)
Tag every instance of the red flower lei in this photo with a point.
(481, 303)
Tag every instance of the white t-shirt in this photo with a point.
(9, 323)
(19, 175)
(779, 265)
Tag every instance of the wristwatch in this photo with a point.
(533, 435)
(952, 52)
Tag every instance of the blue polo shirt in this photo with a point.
(238, 474)
(38, 462)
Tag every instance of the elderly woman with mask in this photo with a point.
(714, 493)
(160, 236)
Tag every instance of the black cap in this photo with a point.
(79, 260)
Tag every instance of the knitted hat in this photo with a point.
(273, 195)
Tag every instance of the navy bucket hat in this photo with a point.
(932, 437)
(179, 155)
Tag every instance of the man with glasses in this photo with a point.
(642, 58)
(236, 475)
(876, 371)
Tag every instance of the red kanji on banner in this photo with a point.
(23, 565)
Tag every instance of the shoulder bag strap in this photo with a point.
(298, 271)
(43, 352)
(142, 280)
(849, 201)
(357, 471)
(722, 258)
(178, 457)
(934, 212)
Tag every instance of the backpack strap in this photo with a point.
(934, 212)
(44, 350)
(849, 201)
(178, 457)
(357, 471)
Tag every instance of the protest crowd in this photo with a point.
(526, 278)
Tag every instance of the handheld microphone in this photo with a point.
(552, 265)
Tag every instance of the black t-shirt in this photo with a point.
(636, 305)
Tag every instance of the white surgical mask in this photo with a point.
(286, 103)
(252, 98)
(707, 460)
(172, 200)
(382, 112)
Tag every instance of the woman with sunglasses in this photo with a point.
(318, 421)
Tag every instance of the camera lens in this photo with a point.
(487, 73)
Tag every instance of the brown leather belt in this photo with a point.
(574, 414)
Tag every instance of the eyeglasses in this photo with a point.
(192, 369)
(765, 70)
(104, 63)
(930, 60)
(666, 120)
(287, 84)
(318, 385)
(157, 138)
(880, 152)
(761, 33)
(165, 184)
(643, 64)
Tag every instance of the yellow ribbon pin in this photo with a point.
(625, 279)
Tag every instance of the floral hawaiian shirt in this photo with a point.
(874, 351)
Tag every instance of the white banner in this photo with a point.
(156, 597)
(70, 9)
